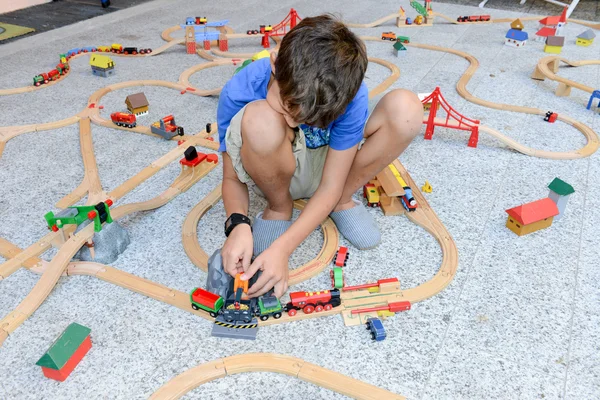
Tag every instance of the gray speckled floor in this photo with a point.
(520, 320)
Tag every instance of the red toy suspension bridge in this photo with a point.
(281, 28)
(454, 120)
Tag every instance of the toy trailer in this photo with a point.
(166, 127)
(66, 352)
(267, 306)
(207, 301)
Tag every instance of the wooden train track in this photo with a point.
(268, 362)
(547, 68)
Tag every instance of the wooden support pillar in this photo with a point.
(563, 90)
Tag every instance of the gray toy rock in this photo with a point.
(217, 280)
(111, 241)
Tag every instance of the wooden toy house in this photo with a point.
(585, 38)
(516, 38)
(531, 217)
(399, 49)
(102, 65)
(137, 104)
(66, 352)
(554, 44)
(559, 193)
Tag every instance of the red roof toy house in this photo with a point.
(66, 352)
(531, 217)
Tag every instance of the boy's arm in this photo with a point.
(237, 250)
(274, 260)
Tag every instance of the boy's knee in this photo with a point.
(404, 112)
(263, 129)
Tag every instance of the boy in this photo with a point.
(290, 126)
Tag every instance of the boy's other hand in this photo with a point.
(273, 263)
(237, 250)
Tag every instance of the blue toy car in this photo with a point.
(377, 330)
(408, 21)
(190, 21)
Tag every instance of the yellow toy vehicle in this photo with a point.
(419, 20)
(116, 48)
(104, 49)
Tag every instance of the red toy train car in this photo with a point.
(313, 301)
(123, 119)
(474, 18)
(341, 256)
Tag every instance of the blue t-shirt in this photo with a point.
(251, 84)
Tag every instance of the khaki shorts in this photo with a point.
(309, 162)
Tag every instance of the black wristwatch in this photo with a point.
(234, 220)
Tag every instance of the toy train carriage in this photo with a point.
(41, 79)
(62, 68)
(269, 305)
(371, 193)
(313, 301)
(474, 18)
(265, 28)
(99, 213)
(341, 256)
(207, 301)
(337, 278)
(403, 39)
(104, 49)
(53, 75)
(73, 52)
(123, 119)
(134, 50)
(116, 48)
(408, 201)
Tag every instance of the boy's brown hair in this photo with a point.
(319, 67)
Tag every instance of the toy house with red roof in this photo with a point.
(66, 352)
(531, 217)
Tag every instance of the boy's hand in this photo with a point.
(273, 263)
(237, 250)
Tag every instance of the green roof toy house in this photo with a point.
(66, 352)
(399, 49)
(559, 193)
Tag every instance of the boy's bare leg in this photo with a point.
(267, 157)
(394, 123)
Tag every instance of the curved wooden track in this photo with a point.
(375, 23)
(198, 256)
(548, 66)
(268, 362)
(47, 281)
(461, 87)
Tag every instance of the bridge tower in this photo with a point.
(190, 39)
